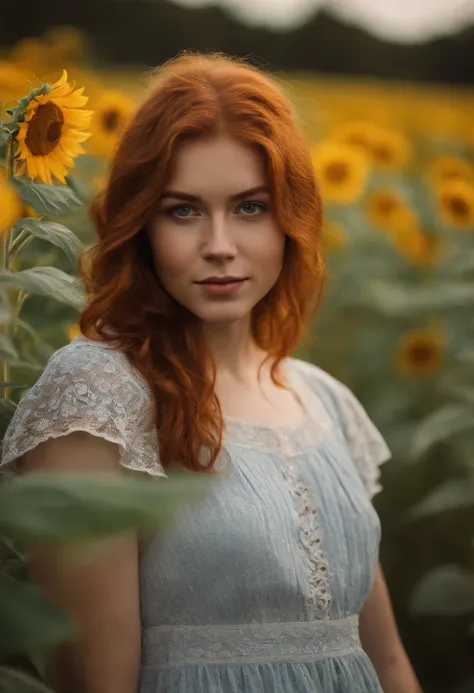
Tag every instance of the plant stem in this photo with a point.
(6, 258)
(10, 160)
(15, 246)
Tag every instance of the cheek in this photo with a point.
(171, 253)
(270, 250)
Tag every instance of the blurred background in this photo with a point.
(384, 90)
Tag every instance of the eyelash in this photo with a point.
(170, 212)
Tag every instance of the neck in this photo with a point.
(233, 349)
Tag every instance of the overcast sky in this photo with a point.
(403, 20)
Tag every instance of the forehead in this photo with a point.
(221, 166)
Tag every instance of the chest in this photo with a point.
(278, 530)
(262, 403)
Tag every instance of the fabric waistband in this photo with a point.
(258, 643)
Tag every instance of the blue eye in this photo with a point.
(182, 212)
(252, 209)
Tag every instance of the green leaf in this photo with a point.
(54, 233)
(76, 506)
(466, 356)
(11, 546)
(442, 425)
(46, 281)
(461, 391)
(5, 135)
(457, 494)
(47, 199)
(28, 619)
(8, 352)
(5, 308)
(399, 300)
(79, 187)
(16, 113)
(16, 681)
(445, 591)
(7, 409)
(11, 386)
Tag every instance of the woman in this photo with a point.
(206, 272)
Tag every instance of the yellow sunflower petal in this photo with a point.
(59, 156)
(73, 332)
(44, 171)
(62, 80)
(10, 204)
(32, 167)
(75, 100)
(77, 119)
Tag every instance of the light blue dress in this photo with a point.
(258, 587)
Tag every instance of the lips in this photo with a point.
(218, 287)
(222, 280)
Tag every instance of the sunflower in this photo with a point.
(11, 206)
(456, 204)
(417, 246)
(333, 236)
(342, 172)
(390, 150)
(447, 168)
(420, 352)
(356, 133)
(111, 115)
(387, 149)
(384, 207)
(52, 131)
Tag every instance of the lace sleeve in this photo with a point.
(365, 442)
(86, 387)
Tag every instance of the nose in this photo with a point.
(218, 244)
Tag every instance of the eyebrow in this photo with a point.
(177, 195)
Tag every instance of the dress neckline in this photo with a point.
(287, 440)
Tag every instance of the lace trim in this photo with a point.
(248, 643)
(319, 599)
(280, 440)
(367, 447)
(87, 388)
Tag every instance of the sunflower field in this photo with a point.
(396, 169)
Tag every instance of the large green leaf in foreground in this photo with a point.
(75, 506)
(46, 281)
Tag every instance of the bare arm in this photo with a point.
(100, 593)
(381, 641)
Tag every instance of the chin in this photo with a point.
(223, 315)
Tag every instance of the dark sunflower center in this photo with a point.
(386, 205)
(421, 354)
(337, 172)
(357, 139)
(382, 154)
(452, 173)
(45, 129)
(111, 120)
(459, 207)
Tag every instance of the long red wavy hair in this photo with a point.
(196, 96)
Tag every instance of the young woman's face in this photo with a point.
(216, 244)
